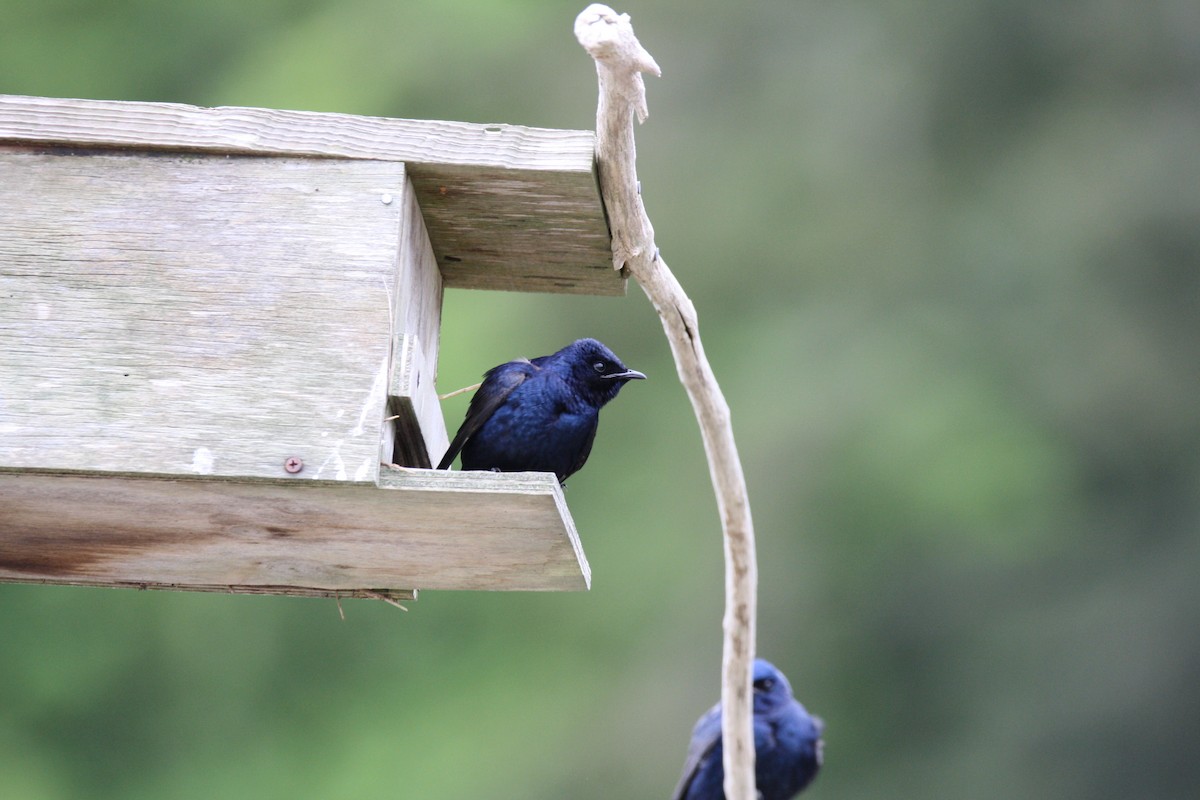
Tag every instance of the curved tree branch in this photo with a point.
(620, 61)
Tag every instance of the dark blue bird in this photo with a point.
(540, 415)
(787, 744)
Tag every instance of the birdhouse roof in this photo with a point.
(506, 206)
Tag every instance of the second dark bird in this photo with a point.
(787, 744)
(541, 414)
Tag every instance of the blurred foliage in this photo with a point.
(947, 261)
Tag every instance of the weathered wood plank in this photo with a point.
(428, 144)
(290, 591)
(508, 206)
(495, 229)
(196, 314)
(422, 529)
(420, 437)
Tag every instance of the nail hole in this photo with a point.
(452, 259)
(493, 129)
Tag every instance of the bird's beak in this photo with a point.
(627, 375)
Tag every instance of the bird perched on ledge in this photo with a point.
(540, 415)
(787, 744)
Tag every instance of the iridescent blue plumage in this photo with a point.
(540, 415)
(787, 744)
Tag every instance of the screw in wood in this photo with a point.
(293, 465)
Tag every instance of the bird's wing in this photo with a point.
(705, 736)
(498, 383)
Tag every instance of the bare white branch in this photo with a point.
(620, 59)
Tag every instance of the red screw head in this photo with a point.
(293, 465)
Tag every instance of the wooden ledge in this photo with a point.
(419, 529)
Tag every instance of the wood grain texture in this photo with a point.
(507, 206)
(264, 131)
(505, 230)
(420, 430)
(421, 529)
(290, 591)
(195, 314)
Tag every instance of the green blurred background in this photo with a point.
(945, 255)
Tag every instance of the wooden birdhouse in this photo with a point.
(219, 326)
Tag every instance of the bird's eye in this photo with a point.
(600, 367)
(764, 684)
